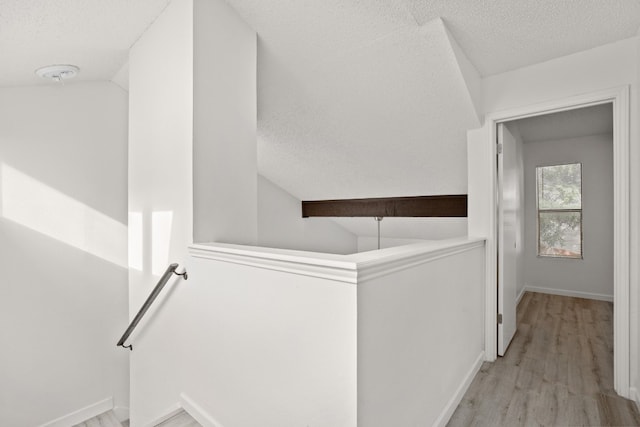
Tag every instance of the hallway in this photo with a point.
(558, 370)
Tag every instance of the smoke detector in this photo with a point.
(58, 73)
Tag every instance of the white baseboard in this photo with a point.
(455, 400)
(81, 415)
(635, 396)
(520, 295)
(170, 412)
(196, 411)
(566, 293)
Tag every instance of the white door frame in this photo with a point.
(619, 98)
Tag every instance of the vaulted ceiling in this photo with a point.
(368, 99)
(380, 120)
(356, 98)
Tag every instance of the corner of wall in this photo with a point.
(122, 412)
(224, 88)
(469, 74)
(280, 224)
(197, 412)
(635, 236)
(635, 396)
(121, 77)
(456, 398)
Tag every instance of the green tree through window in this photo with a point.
(559, 194)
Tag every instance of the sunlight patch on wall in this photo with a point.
(135, 241)
(41, 208)
(161, 222)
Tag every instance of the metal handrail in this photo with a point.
(154, 294)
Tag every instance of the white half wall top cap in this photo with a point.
(58, 73)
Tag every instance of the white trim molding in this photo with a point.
(635, 396)
(455, 400)
(81, 415)
(187, 405)
(520, 295)
(326, 266)
(568, 293)
(351, 269)
(487, 211)
(375, 268)
(172, 411)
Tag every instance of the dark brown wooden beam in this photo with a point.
(420, 206)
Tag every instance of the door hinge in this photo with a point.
(499, 148)
(499, 318)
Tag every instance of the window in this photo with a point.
(559, 194)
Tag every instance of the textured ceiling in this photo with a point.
(356, 98)
(382, 120)
(497, 35)
(576, 123)
(366, 99)
(93, 34)
(501, 35)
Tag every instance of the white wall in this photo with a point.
(160, 146)
(588, 71)
(160, 193)
(224, 126)
(395, 231)
(63, 293)
(265, 348)
(280, 224)
(420, 337)
(591, 276)
(192, 171)
(308, 339)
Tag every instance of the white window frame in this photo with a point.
(538, 211)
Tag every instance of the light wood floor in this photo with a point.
(558, 370)
(181, 419)
(108, 419)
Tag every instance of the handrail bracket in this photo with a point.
(183, 274)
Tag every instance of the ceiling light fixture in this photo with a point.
(58, 73)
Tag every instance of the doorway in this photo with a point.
(483, 212)
(555, 209)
